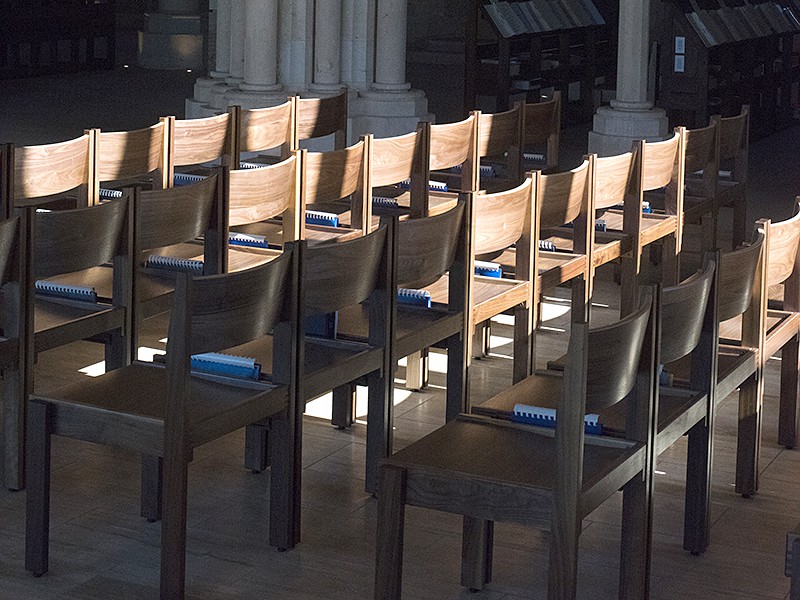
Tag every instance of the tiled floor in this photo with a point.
(102, 549)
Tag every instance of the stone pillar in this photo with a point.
(390, 50)
(631, 115)
(327, 46)
(223, 52)
(237, 31)
(172, 37)
(261, 46)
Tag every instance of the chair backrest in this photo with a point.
(734, 135)
(341, 274)
(543, 128)
(660, 161)
(259, 194)
(50, 169)
(125, 155)
(338, 174)
(562, 197)
(427, 246)
(500, 136)
(198, 141)
(177, 215)
(395, 159)
(65, 241)
(701, 153)
(260, 129)
(502, 218)
(318, 117)
(738, 277)
(683, 308)
(615, 180)
(783, 247)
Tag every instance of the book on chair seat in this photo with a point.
(488, 269)
(414, 297)
(247, 239)
(216, 363)
(186, 179)
(317, 217)
(546, 417)
(434, 186)
(173, 263)
(82, 293)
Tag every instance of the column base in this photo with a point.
(251, 99)
(615, 130)
(387, 113)
(205, 87)
(170, 41)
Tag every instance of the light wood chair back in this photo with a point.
(738, 274)
(615, 179)
(320, 117)
(260, 129)
(543, 129)
(660, 161)
(784, 246)
(683, 308)
(561, 197)
(126, 155)
(198, 141)
(500, 136)
(395, 159)
(502, 218)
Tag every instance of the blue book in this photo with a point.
(414, 297)
(82, 293)
(547, 246)
(247, 239)
(534, 157)
(546, 417)
(226, 364)
(488, 269)
(485, 170)
(599, 225)
(434, 186)
(323, 325)
(249, 165)
(173, 263)
(384, 202)
(317, 217)
(110, 194)
(179, 179)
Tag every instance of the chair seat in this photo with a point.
(57, 322)
(555, 268)
(474, 457)
(133, 399)
(315, 234)
(781, 326)
(654, 225)
(608, 246)
(490, 295)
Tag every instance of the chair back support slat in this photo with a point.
(394, 159)
(332, 175)
(500, 218)
(682, 311)
(450, 143)
(701, 149)
(318, 117)
(543, 120)
(426, 247)
(613, 360)
(72, 240)
(733, 134)
(561, 195)
(52, 168)
(660, 160)
(127, 154)
(613, 176)
(174, 215)
(197, 141)
(341, 274)
(235, 308)
(260, 194)
(500, 131)
(265, 128)
(737, 273)
(784, 244)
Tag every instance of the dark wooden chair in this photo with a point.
(734, 147)
(170, 410)
(320, 117)
(490, 470)
(542, 134)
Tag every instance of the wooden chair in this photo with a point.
(195, 142)
(15, 351)
(488, 469)
(59, 175)
(336, 276)
(393, 160)
(170, 410)
(734, 147)
(135, 157)
(321, 117)
(261, 129)
(542, 134)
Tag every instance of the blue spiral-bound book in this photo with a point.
(547, 246)
(414, 297)
(546, 417)
(485, 170)
(110, 194)
(180, 179)
(384, 202)
(488, 269)
(434, 186)
(81, 293)
(317, 217)
(173, 263)
(250, 165)
(599, 225)
(226, 364)
(323, 325)
(532, 157)
(247, 239)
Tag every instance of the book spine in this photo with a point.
(414, 297)
(547, 246)
(247, 239)
(172, 263)
(68, 292)
(217, 364)
(488, 269)
(434, 186)
(110, 194)
(383, 201)
(324, 325)
(485, 170)
(317, 217)
(249, 165)
(180, 179)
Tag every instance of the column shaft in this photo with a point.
(237, 42)
(261, 46)
(633, 54)
(327, 44)
(222, 64)
(390, 45)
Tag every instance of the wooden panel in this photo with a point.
(737, 272)
(265, 128)
(612, 179)
(198, 141)
(500, 218)
(499, 131)
(659, 162)
(393, 158)
(733, 134)
(51, 168)
(259, 194)
(784, 238)
(125, 154)
(560, 196)
(450, 143)
(701, 147)
(317, 117)
(426, 247)
(332, 175)
(542, 120)
(682, 311)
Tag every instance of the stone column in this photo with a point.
(631, 115)
(390, 50)
(237, 31)
(327, 46)
(261, 46)
(223, 47)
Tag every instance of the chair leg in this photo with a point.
(794, 589)
(629, 287)
(416, 370)
(749, 439)
(284, 517)
(344, 403)
(14, 429)
(380, 419)
(562, 575)
(118, 351)
(790, 393)
(634, 571)
(256, 447)
(391, 520)
(697, 524)
(152, 487)
(458, 360)
(37, 507)
(523, 344)
(173, 527)
(476, 553)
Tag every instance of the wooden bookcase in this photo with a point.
(43, 37)
(718, 78)
(578, 56)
